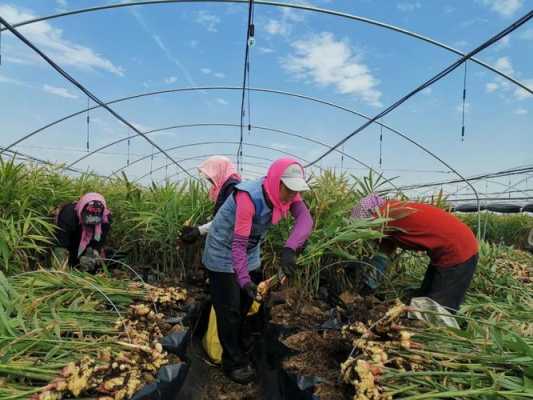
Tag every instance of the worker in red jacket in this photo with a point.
(450, 244)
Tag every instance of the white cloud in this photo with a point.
(209, 21)
(504, 64)
(275, 27)
(408, 6)
(500, 84)
(522, 94)
(205, 70)
(505, 8)
(491, 87)
(327, 61)
(157, 39)
(503, 43)
(461, 44)
(527, 35)
(193, 43)
(59, 91)
(6, 79)
(284, 25)
(62, 3)
(52, 42)
(459, 108)
(520, 111)
(170, 79)
(219, 75)
(448, 9)
(221, 101)
(265, 50)
(427, 91)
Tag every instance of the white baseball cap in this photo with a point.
(293, 178)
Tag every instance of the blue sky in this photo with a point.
(139, 49)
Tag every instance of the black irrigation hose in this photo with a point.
(431, 81)
(89, 94)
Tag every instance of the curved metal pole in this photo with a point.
(87, 92)
(279, 131)
(204, 144)
(251, 173)
(193, 89)
(199, 157)
(30, 158)
(286, 5)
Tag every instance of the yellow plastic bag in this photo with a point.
(210, 341)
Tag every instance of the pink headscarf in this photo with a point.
(86, 230)
(367, 205)
(271, 185)
(219, 169)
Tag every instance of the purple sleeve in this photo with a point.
(303, 225)
(243, 226)
(240, 259)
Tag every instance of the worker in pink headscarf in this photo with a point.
(223, 176)
(82, 229)
(232, 252)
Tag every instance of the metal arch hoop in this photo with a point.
(286, 5)
(279, 131)
(193, 89)
(203, 144)
(198, 157)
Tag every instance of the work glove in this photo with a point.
(251, 290)
(288, 261)
(88, 263)
(190, 234)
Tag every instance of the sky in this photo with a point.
(363, 68)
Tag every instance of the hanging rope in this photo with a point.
(152, 161)
(248, 96)
(250, 41)
(0, 43)
(464, 105)
(380, 146)
(88, 121)
(342, 159)
(128, 161)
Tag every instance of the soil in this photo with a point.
(318, 352)
(206, 381)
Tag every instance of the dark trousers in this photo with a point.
(447, 286)
(231, 306)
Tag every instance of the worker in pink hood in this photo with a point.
(232, 252)
(223, 176)
(82, 229)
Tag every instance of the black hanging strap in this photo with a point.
(464, 105)
(128, 162)
(380, 146)
(152, 161)
(88, 120)
(0, 44)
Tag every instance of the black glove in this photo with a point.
(251, 290)
(288, 261)
(190, 234)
